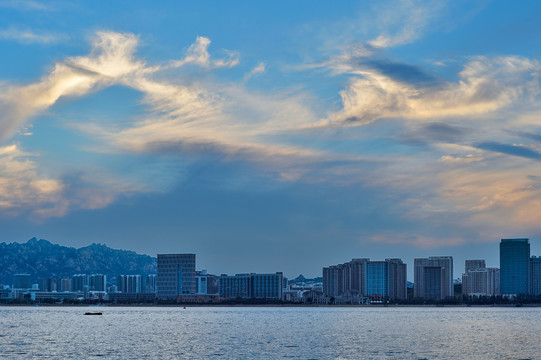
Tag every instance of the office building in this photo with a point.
(64, 284)
(207, 284)
(398, 282)
(236, 286)
(267, 286)
(515, 266)
(176, 275)
(256, 286)
(443, 286)
(129, 284)
(535, 275)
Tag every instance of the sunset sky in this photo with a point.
(272, 136)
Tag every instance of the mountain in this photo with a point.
(41, 258)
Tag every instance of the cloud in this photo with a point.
(24, 188)
(514, 150)
(404, 21)
(27, 36)
(110, 62)
(485, 85)
(26, 5)
(259, 69)
(198, 55)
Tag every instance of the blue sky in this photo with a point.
(282, 136)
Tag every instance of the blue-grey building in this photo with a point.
(433, 282)
(377, 279)
(22, 281)
(535, 275)
(176, 275)
(515, 266)
(257, 286)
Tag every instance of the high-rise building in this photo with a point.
(79, 282)
(22, 281)
(535, 275)
(151, 283)
(445, 285)
(398, 282)
(207, 284)
(176, 275)
(481, 282)
(433, 282)
(64, 284)
(515, 266)
(97, 282)
(378, 279)
(129, 284)
(474, 265)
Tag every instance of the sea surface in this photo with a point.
(270, 333)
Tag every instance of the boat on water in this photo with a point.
(93, 313)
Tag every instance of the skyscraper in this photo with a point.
(176, 275)
(515, 266)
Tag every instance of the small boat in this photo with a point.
(93, 313)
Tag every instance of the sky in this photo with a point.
(272, 136)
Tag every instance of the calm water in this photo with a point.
(271, 333)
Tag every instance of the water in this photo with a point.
(270, 333)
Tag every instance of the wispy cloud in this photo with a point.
(26, 5)
(258, 69)
(27, 36)
(198, 55)
(26, 189)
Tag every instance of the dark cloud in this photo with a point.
(534, 137)
(442, 132)
(401, 72)
(515, 150)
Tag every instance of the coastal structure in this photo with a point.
(255, 286)
(515, 266)
(176, 276)
(434, 277)
(478, 280)
(365, 278)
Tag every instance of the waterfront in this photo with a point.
(270, 332)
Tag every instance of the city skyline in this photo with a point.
(272, 135)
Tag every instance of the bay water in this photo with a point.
(270, 333)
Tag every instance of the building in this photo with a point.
(252, 286)
(22, 281)
(79, 282)
(362, 277)
(535, 275)
(474, 265)
(176, 276)
(444, 286)
(129, 284)
(433, 282)
(481, 282)
(267, 286)
(97, 282)
(236, 286)
(515, 266)
(151, 283)
(207, 284)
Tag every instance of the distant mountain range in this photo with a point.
(302, 279)
(41, 258)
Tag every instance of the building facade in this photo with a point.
(256, 286)
(535, 275)
(365, 278)
(515, 266)
(444, 285)
(129, 284)
(176, 275)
